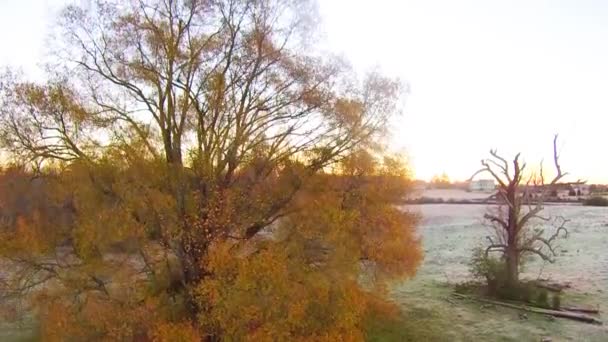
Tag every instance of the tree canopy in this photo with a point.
(206, 173)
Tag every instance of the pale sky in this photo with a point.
(483, 74)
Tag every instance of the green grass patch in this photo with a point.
(417, 324)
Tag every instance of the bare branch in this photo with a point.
(505, 165)
(537, 252)
(496, 219)
(496, 247)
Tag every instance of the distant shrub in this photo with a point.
(596, 201)
(427, 200)
(494, 272)
(490, 269)
(526, 292)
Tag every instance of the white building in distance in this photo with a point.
(482, 185)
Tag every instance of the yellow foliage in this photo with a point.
(281, 225)
(302, 285)
(175, 332)
(267, 296)
(303, 280)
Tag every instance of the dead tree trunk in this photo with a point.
(512, 260)
(512, 255)
(519, 203)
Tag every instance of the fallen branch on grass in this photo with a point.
(562, 314)
(449, 301)
(583, 310)
(553, 287)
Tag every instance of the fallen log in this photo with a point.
(562, 314)
(551, 286)
(583, 310)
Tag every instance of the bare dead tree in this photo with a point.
(521, 201)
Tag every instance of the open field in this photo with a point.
(449, 232)
(454, 194)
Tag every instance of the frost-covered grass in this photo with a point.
(449, 232)
(454, 194)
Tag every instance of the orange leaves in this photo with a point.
(31, 220)
(57, 323)
(267, 295)
(358, 208)
(95, 317)
(349, 112)
(175, 332)
(263, 245)
(27, 236)
(301, 282)
(390, 242)
(296, 311)
(299, 279)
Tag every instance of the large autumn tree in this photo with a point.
(217, 177)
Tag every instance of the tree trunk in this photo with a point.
(512, 265)
(512, 253)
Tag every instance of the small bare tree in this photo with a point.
(521, 200)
